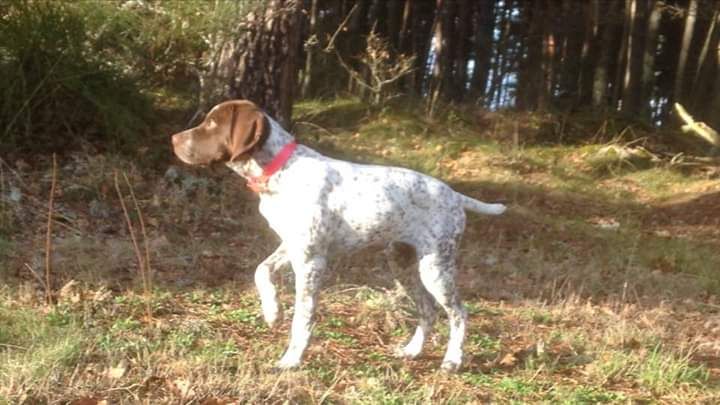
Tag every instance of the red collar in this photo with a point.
(258, 184)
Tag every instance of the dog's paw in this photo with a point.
(288, 362)
(450, 366)
(271, 316)
(407, 352)
(271, 312)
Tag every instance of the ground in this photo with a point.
(600, 283)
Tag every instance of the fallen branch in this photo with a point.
(700, 129)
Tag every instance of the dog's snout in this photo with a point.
(176, 140)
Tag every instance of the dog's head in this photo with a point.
(229, 132)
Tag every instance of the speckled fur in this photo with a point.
(321, 207)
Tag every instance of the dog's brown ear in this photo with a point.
(248, 128)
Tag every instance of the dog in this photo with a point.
(321, 207)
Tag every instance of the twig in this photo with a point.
(9, 346)
(37, 276)
(48, 236)
(147, 273)
(331, 44)
(136, 247)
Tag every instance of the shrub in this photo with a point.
(56, 88)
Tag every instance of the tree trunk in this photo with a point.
(406, 21)
(601, 76)
(631, 102)
(622, 55)
(648, 68)
(699, 83)
(440, 54)
(530, 72)
(572, 51)
(462, 30)
(484, 21)
(679, 87)
(259, 62)
(715, 101)
(423, 17)
(589, 53)
(310, 49)
(548, 61)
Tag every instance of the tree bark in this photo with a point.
(589, 53)
(622, 55)
(572, 50)
(484, 22)
(648, 64)
(462, 30)
(690, 18)
(531, 72)
(439, 49)
(309, 49)
(548, 61)
(259, 61)
(711, 41)
(601, 76)
(631, 101)
(715, 101)
(406, 22)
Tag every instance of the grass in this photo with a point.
(598, 286)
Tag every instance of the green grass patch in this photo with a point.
(662, 372)
(34, 346)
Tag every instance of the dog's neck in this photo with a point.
(253, 165)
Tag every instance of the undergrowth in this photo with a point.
(594, 287)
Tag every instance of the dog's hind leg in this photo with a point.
(437, 270)
(401, 258)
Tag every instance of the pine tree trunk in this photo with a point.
(439, 67)
(484, 21)
(601, 76)
(572, 51)
(260, 61)
(462, 30)
(421, 33)
(631, 102)
(406, 22)
(589, 53)
(715, 101)
(530, 72)
(622, 55)
(309, 50)
(690, 18)
(648, 68)
(711, 42)
(548, 61)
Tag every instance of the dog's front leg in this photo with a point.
(266, 287)
(307, 285)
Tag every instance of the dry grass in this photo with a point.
(577, 295)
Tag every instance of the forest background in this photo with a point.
(592, 119)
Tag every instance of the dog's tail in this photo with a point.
(480, 207)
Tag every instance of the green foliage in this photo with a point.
(661, 372)
(57, 88)
(84, 71)
(39, 343)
